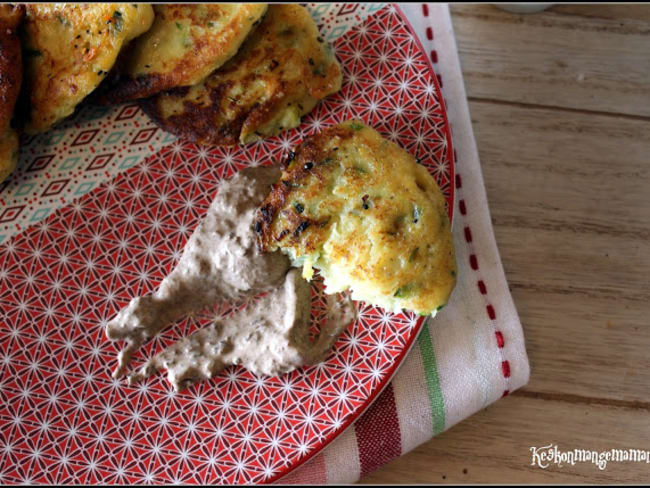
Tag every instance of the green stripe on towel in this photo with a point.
(433, 382)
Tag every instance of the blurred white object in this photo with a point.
(523, 8)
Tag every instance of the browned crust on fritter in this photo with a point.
(196, 122)
(123, 88)
(11, 69)
(307, 160)
(230, 108)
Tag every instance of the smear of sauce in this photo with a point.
(270, 337)
(221, 262)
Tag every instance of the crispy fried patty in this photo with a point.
(185, 44)
(280, 73)
(361, 210)
(69, 49)
(11, 72)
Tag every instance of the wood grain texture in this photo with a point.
(560, 105)
(575, 241)
(587, 62)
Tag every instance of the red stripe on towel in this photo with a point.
(378, 435)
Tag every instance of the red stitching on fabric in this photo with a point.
(481, 287)
(462, 207)
(505, 366)
(473, 261)
(491, 313)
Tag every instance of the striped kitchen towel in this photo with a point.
(473, 352)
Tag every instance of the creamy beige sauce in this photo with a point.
(270, 337)
(221, 262)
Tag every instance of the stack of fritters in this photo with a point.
(67, 50)
(184, 45)
(281, 72)
(212, 73)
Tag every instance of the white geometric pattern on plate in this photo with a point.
(64, 420)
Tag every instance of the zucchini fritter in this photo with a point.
(11, 73)
(69, 49)
(8, 152)
(361, 210)
(280, 73)
(185, 44)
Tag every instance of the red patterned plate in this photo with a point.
(63, 419)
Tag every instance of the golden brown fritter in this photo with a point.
(69, 49)
(361, 210)
(280, 73)
(185, 44)
(11, 73)
(8, 152)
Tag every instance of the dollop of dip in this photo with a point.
(221, 261)
(271, 337)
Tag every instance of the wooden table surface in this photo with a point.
(560, 104)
